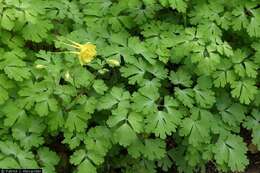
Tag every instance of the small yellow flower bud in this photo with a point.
(40, 66)
(67, 75)
(113, 62)
(103, 71)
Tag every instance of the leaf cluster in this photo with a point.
(186, 87)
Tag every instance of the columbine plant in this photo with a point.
(157, 86)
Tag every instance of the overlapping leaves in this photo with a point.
(188, 79)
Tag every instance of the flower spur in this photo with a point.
(86, 52)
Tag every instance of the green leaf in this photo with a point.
(162, 123)
(25, 158)
(42, 108)
(158, 70)
(224, 75)
(136, 148)
(37, 31)
(144, 102)
(82, 77)
(244, 67)
(245, 90)
(90, 105)
(136, 121)
(240, 19)
(150, 88)
(14, 66)
(7, 19)
(251, 69)
(77, 157)
(122, 126)
(204, 97)
(99, 86)
(55, 120)
(16, 73)
(185, 96)
(204, 82)
(6, 83)
(49, 159)
(98, 140)
(253, 123)
(118, 116)
(178, 155)
(121, 137)
(254, 25)
(39, 93)
(181, 77)
(232, 114)
(3, 95)
(12, 113)
(180, 5)
(139, 48)
(9, 162)
(77, 120)
(256, 136)
(197, 127)
(170, 104)
(27, 136)
(154, 149)
(116, 96)
(86, 166)
(231, 151)
(73, 139)
(165, 163)
(134, 72)
(28, 131)
(225, 49)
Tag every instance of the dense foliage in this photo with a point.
(187, 83)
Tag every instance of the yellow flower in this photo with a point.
(86, 52)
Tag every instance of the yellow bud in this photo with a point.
(103, 71)
(40, 66)
(113, 62)
(67, 75)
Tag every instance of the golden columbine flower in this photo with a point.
(86, 52)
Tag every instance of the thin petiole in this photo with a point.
(71, 45)
(75, 43)
(73, 52)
